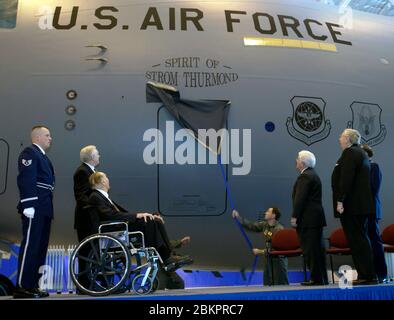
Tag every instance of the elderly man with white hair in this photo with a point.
(309, 219)
(353, 203)
(90, 159)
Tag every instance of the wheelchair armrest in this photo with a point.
(114, 223)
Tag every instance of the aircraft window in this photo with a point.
(8, 13)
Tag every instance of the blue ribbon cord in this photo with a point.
(235, 219)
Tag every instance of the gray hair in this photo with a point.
(307, 158)
(86, 153)
(353, 135)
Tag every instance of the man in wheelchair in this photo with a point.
(152, 226)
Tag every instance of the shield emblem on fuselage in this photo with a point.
(366, 118)
(308, 123)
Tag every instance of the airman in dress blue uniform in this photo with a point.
(36, 181)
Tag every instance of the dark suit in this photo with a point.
(82, 192)
(154, 232)
(350, 183)
(82, 221)
(376, 181)
(309, 212)
(373, 224)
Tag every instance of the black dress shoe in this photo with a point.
(313, 283)
(80, 292)
(21, 293)
(384, 280)
(175, 262)
(183, 260)
(365, 282)
(43, 294)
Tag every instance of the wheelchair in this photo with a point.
(116, 261)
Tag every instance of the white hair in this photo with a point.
(353, 135)
(86, 153)
(307, 158)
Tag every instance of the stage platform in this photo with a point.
(291, 292)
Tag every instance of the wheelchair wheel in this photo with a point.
(138, 287)
(135, 263)
(106, 265)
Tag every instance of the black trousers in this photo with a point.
(85, 250)
(377, 247)
(356, 231)
(33, 249)
(312, 245)
(155, 235)
(169, 280)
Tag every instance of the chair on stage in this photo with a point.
(285, 243)
(388, 238)
(338, 246)
(388, 244)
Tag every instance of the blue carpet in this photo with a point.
(381, 292)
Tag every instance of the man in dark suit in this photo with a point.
(90, 159)
(36, 182)
(353, 203)
(373, 221)
(152, 226)
(309, 219)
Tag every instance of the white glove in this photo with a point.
(29, 212)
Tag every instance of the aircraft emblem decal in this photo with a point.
(366, 118)
(308, 123)
(26, 163)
